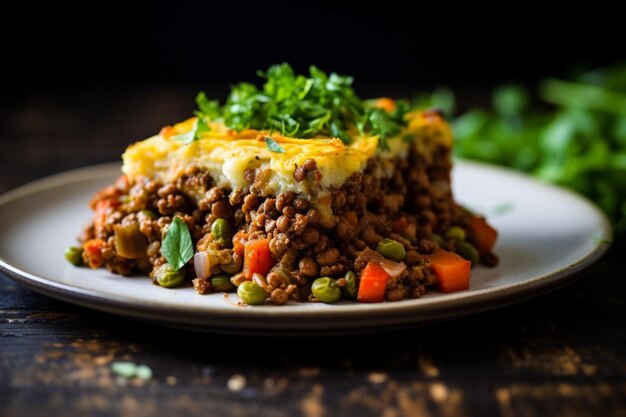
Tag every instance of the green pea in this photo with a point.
(437, 239)
(326, 290)
(74, 255)
(166, 276)
(391, 249)
(351, 288)
(222, 231)
(222, 283)
(456, 233)
(251, 293)
(467, 251)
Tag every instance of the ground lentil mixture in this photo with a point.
(395, 213)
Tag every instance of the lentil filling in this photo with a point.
(399, 209)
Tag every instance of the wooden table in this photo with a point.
(561, 354)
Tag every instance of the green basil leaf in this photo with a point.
(177, 247)
(273, 146)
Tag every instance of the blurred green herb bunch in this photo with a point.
(572, 133)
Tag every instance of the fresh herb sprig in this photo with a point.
(304, 107)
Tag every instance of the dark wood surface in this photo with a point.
(560, 354)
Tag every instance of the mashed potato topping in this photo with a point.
(226, 153)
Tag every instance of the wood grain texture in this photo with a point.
(561, 354)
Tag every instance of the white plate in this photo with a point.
(547, 236)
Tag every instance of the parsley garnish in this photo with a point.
(177, 247)
(272, 145)
(201, 127)
(194, 134)
(304, 107)
(210, 108)
(187, 137)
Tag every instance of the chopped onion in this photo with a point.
(394, 269)
(202, 264)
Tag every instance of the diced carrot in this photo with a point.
(373, 284)
(239, 241)
(484, 235)
(107, 193)
(385, 103)
(93, 252)
(257, 258)
(101, 210)
(452, 271)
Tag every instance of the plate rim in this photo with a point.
(223, 318)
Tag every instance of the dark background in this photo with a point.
(205, 43)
